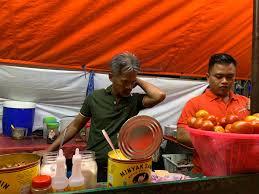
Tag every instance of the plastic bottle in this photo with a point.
(52, 132)
(46, 120)
(60, 180)
(77, 180)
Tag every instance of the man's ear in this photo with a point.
(110, 76)
(207, 76)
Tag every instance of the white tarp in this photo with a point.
(61, 93)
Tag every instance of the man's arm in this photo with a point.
(183, 137)
(153, 96)
(73, 128)
(189, 110)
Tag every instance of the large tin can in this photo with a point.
(17, 171)
(122, 172)
(139, 138)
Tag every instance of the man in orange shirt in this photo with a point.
(218, 99)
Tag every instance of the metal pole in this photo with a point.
(255, 60)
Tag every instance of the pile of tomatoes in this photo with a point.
(228, 124)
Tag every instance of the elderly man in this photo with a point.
(218, 99)
(109, 108)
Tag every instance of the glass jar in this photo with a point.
(41, 184)
(48, 166)
(19, 133)
(89, 168)
(46, 120)
(52, 132)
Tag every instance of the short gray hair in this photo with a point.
(124, 62)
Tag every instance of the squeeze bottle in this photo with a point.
(60, 180)
(76, 180)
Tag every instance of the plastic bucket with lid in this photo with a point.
(18, 114)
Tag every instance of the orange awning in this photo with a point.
(169, 37)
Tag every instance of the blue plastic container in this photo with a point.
(18, 114)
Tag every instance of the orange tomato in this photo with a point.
(222, 122)
(256, 115)
(207, 125)
(212, 118)
(251, 118)
(255, 124)
(201, 114)
(198, 123)
(190, 121)
(242, 127)
(219, 129)
(231, 119)
(228, 128)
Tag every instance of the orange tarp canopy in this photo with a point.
(169, 37)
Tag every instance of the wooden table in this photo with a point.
(29, 144)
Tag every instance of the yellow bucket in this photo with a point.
(122, 172)
(17, 171)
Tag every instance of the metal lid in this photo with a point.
(140, 137)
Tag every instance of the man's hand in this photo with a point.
(40, 152)
(183, 137)
(153, 96)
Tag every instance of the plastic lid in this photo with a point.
(41, 181)
(140, 137)
(19, 104)
(54, 124)
(49, 119)
(77, 156)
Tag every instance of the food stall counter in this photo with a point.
(239, 184)
(29, 144)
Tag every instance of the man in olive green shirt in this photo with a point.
(106, 114)
(109, 108)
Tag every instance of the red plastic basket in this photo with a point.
(226, 153)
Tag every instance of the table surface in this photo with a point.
(29, 144)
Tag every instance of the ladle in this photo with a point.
(110, 143)
(13, 128)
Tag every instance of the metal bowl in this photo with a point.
(17, 171)
(10, 162)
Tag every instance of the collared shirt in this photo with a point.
(215, 105)
(106, 114)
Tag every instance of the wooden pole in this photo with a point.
(255, 60)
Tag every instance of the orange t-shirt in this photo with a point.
(215, 106)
